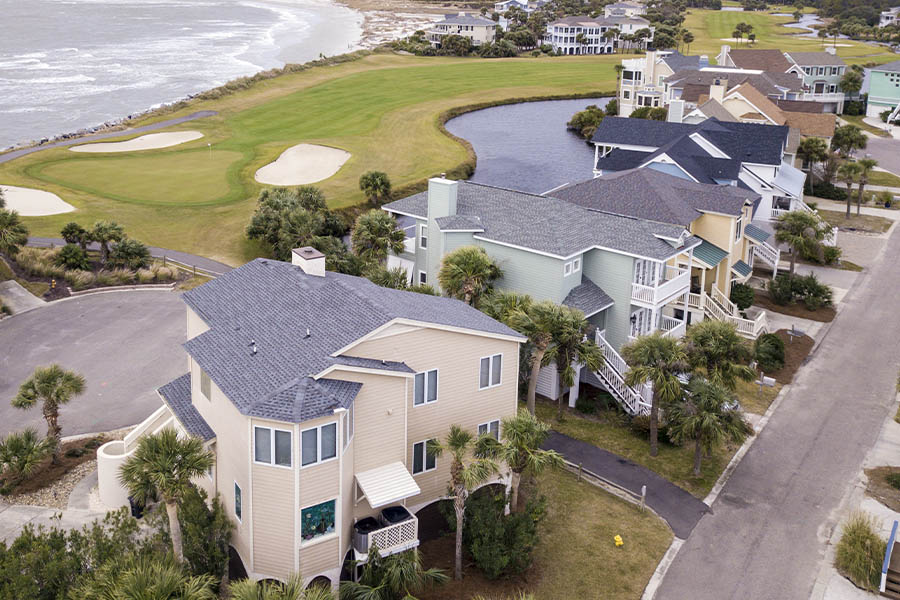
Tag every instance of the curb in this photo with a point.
(123, 288)
(663, 566)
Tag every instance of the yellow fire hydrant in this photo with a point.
(618, 540)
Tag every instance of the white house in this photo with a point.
(890, 16)
(584, 35)
(478, 29)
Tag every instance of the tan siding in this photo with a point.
(273, 521)
(346, 508)
(319, 557)
(456, 356)
(319, 483)
(195, 325)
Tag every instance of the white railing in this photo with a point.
(409, 245)
(725, 302)
(395, 538)
(751, 328)
(677, 281)
(825, 97)
(777, 212)
(612, 374)
(672, 327)
(767, 253)
(830, 238)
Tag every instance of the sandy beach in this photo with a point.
(387, 20)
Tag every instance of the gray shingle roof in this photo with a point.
(678, 61)
(304, 399)
(805, 59)
(619, 160)
(549, 225)
(177, 396)
(273, 303)
(768, 83)
(892, 67)
(465, 19)
(460, 223)
(588, 298)
(657, 196)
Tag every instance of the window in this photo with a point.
(492, 428)
(626, 94)
(489, 375)
(205, 385)
(423, 236)
(832, 88)
(237, 501)
(272, 443)
(737, 229)
(318, 444)
(348, 426)
(426, 386)
(423, 277)
(422, 460)
(573, 266)
(317, 520)
(567, 269)
(576, 264)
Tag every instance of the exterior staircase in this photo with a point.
(831, 238)
(890, 568)
(635, 400)
(717, 306)
(768, 254)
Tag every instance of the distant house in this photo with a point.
(642, 81)
(477, 29)
(602, 35)
(884, 89)
(502, 7)
(691, 85)
(890, 16)
(624, 9)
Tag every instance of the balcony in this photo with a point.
(675, 281)
(672, 327)
(824, 96)
(409, 245)
(396, 530)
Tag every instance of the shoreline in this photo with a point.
(382, 22)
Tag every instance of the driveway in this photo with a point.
(126, 344)
(762, 539)
(886, 151)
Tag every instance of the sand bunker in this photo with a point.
(302, 164)
(34, 203)
(151, 141)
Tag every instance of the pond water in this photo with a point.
(526, 146)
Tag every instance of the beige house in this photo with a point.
(317, 392)
(479, 30)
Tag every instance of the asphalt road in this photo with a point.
(762, 539)
(126, 344)
(885, 150)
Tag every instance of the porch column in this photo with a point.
(596, 154)
(573, 391)
(687, 295)
(654, 319)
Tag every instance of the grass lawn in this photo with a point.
(864, 223)
(884, 178)
(610, 431)
(576, 556)
(755, 400)
(858, 121)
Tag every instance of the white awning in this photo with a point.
(790, 180)
(383, 485)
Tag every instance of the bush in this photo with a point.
(860, 552)
(79, 280)
(105, 278)
(501, 544)
(812, 292)
(163, 273)
(144, 275)
(71, 256)
(40, 262)
(131, 254)
(585, 122)
(122, 276)
(769, 352)
(829, 191)
(832, 254)
(20, 454)
(612, 107)
(585, 404)
(742, 295)
(893, 480)
(854, 108)
(781, 289)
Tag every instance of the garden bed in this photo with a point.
(9, 270)
(576, 556)
(879, 488)
(46, 475)
(824, 314)
(795, 352)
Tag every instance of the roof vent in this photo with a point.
(253, 347)
(307, 332)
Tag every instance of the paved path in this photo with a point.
(680, 509)
(762, 539)
(16, 298)
(126, 344)
(106, 134)
(885, 150)
(192, 260)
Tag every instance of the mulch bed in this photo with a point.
(880, 489)
(54, 293)
(795, 352)
(47, 473)
(824, 314)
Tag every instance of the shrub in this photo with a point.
(742, 295)
(122, 276)
(40, 262)
(854, 108)
(832, 254)
(130, 253)
(585, 404)
(21, 453)
(781, 289)
(585, 122)
(860, 551)
(144, 275)
(105, 278)
(80, 280)
(884, 198)
(769, 352)
(812, 292)
(829, 191)
(163, 273)
(71, 256)
(501, 544)
(612, 107)
(893, 480)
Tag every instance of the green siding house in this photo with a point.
(884, 88)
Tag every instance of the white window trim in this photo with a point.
(426, 401)
(234, 491)
(202, 393)
(573, 266)
(321, 538)
(490, 358)
(272, 431)
(319, 459)
(567, 269)
(423, 235)
(423, 278)
(348, 425)
(488, 426)
(738, 228)
(425, 468)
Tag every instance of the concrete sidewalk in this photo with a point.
(17, 298)
(679, 508)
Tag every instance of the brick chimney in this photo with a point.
(310, 260)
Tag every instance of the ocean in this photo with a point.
(70, 64)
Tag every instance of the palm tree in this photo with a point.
(519, 447)
(571, 343)
(720, 351)
(376, 185)
(144, 577)
(687, 37)
(502, 305)
(52, 386)
(847, 173)
(73, 233)
(395, 278)
(375, 235)
(13, 234)
(468, 273)
(164, 465)
(292, 589)
(105, 232)
(803, 232)
(467, 472)
(813, 150)
(865, 167)
(388, 578)
(21, 452)
(659, 360)
(707, 415)
(537, 322)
